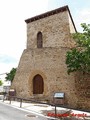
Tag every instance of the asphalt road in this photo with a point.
(10, 113)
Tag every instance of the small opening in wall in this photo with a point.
(39, 40)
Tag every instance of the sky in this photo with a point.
(13, 36)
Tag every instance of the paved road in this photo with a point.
(9, 113)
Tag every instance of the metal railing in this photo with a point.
(21, 100)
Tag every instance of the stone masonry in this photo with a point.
(48, 61)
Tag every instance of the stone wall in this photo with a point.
(50, 64)
(48, 61)
(82, 83)
(55, 29)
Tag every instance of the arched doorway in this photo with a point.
(38, 85)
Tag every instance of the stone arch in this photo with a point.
(32, 75)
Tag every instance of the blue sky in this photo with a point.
(75, 4)
(13, 28)
(80, 10)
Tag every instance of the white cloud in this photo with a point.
(7, 59)
(4, 68)
(13, 28)
(53, 4)
(82, 16)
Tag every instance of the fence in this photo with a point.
(21, 100)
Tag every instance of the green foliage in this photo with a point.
(1, 83)
(10, 76)
(78, 58)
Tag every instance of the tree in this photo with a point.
(11, 74)
(78, 58)
(1, 83)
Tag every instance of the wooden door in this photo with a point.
(38, 85)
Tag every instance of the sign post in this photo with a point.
(58, 100)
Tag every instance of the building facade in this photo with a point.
(42, 70)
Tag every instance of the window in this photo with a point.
(39, 40)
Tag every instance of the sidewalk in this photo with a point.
(47, 110)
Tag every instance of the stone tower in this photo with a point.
(42, 70)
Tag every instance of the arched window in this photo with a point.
(39, 40)
(38, 85)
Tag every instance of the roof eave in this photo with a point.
(58, 10)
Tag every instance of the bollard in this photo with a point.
(55, 111)
(21, 103)
(10, 99)
(3, 98)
